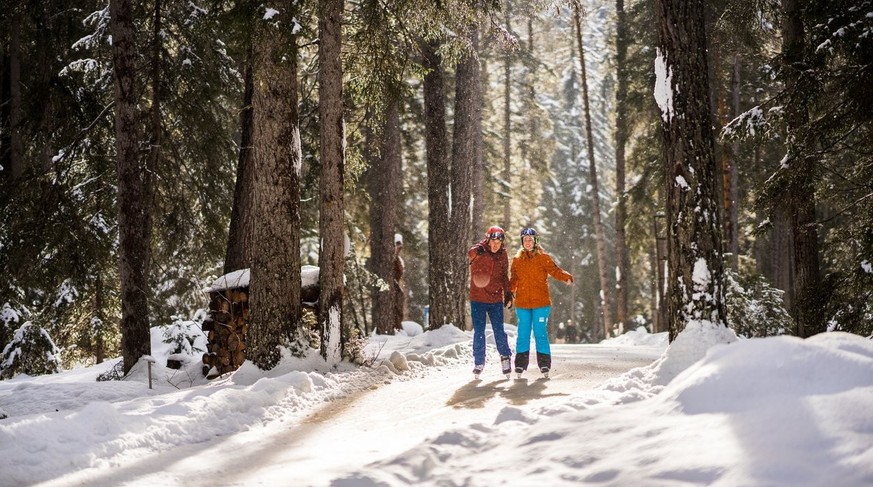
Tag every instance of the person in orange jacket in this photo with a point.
(528, 282)
(489, 292)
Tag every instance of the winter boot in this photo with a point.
(521, 361)
(506, 363)
(544, 360)
(478, 370)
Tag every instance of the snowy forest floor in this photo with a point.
(328, 444)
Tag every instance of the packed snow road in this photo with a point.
(328, 445)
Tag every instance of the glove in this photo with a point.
(507, 299)
(480, 250)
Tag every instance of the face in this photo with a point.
(528, 242)
(494, 245)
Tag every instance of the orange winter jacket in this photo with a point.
(528, 278)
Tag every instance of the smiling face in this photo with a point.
(494, 245)
(528, 242)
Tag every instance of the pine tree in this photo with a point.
(605, 292)
(334, 334)
(31, 351)
(275, 275)
(695, 279)
(134, 191)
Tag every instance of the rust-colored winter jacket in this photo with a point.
(528, 278)
(488, 273)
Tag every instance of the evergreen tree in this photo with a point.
(276, 158)
(30, 352)
(334, 333)
(134, 191)
(695, 276)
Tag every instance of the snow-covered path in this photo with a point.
(332, 442)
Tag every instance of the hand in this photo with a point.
(570, 280)
(507, 299)
(480, 250)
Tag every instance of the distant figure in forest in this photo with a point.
(529, 285)
(489, 293)
(571, 333)
(399, 300)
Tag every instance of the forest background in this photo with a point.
(568, 141)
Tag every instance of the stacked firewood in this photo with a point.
(226, 328)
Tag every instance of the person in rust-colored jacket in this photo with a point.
(528, 282)
(489, 292)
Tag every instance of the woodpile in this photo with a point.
(226, 328)
(227, 323)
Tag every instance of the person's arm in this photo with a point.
(508, 297)
(513, 277)
(474, 252)
(555, 271)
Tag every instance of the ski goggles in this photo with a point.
(496, 236)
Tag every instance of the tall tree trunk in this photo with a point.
(781, 250)
(383, 180)
(16, 147)
(507, 126)
(654, 298)
(438, 182)
(731, 173)
(696, 290)
(662, 309)
(276, 157)
(239, 244)
(98, 315)
(47, 67)
(4, 118)
(334, 333)
(134, 237)
(155, 121)
(468, 116)
(477, 225)
(605, 294)
(621, 136)
(800, 188)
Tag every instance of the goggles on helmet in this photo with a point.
(496, 236)
(529, 232)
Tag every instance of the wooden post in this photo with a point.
(150, 361)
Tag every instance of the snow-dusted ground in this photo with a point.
(777, 411)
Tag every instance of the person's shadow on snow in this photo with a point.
(475, 394)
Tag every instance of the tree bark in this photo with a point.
(605, 294)
(134, 236)
(732, 213)
(384, 180)
(276, 156)
(507, 126)
(239, 244)
(438, 183)
(478, 225)
(16, 147)
(696, 292)
(807, 310)
(465, 138)
(153, 157)
(621, 136)
(334, 334)
(98, 314)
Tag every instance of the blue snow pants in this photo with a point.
(539, 318)
(495, 312)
